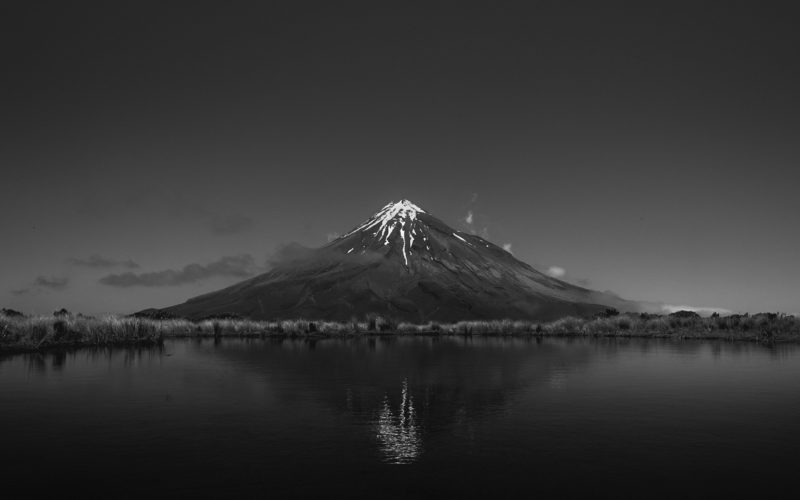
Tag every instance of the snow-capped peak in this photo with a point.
(400, 216)
(401, 208)
(389, 217)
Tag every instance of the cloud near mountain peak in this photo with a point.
(236, 266)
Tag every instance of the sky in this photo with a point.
(153, 152)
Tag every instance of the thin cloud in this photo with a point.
(286, 253)
(295, 254)
(44, 283)
(471, 219)
(507, 247)
(99, 262)
(475, 221)
(331, 236)
(51, 282)
(237, 266)
(556, 271)
(231, 224)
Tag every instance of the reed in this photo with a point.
(20, 332)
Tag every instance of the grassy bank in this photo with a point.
(29, 333)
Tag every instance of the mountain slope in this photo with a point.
(406, 264)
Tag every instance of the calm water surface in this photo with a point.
(404, 417)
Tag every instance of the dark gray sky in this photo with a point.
(152, 152)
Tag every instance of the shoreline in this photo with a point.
(27, 334)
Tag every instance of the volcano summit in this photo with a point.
(405, 264)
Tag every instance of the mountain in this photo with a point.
(406, 264)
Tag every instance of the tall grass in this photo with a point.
(20, 332)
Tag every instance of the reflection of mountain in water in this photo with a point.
(485, 417)
(407, 388)
(401, 394)
(398, 434)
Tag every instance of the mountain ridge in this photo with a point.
(404, 263)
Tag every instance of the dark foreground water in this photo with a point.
(403, 417)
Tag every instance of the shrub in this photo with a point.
(11, 313)
(33, 332)
(565, 326)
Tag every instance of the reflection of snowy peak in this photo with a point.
(403, 263)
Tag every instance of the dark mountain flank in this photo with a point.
(405, 264)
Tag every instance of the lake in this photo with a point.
(403, 417)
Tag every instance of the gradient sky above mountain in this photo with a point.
(152, 152)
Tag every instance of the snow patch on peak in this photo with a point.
(385, 220)
(462, 239)
(406, 204)
(397, 224)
